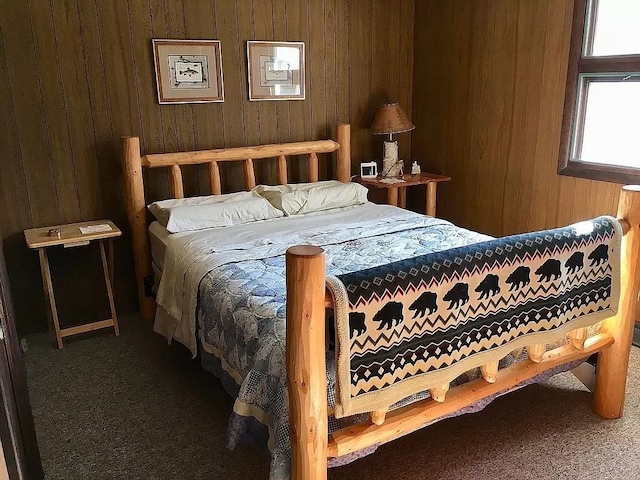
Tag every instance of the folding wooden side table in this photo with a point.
(72, 236)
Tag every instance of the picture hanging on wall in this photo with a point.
(188, 71)
(276, 70)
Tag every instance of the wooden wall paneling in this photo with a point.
(527, 89)
(233, 55)
(343, 66)
(379, 93)
(330, 86)
(267, 114)
(493, 73)
(208, 122)
(78, 110)
(80, 75)
(15, 214)
(543, 178)
(405, 54)
(279, 32)
(55, 110)
(183, 113)
(26, 91)
(117, 56)
(500, 126)
(361, 109)
(317, 66)
(297, 31)
(251, 109)
(151, 128)
(159, 30)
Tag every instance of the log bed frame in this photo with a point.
(307, 299)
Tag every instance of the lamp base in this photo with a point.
(391, 166)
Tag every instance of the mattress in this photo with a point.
(159, 238)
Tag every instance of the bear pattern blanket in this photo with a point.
(415, 324)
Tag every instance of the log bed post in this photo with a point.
(306, 366)
(613, 362)
(137, 215)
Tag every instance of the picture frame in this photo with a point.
(188, 71)
(276, 70)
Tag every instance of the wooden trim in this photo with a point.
(137, 215)
(589, 64)
(258, 152)
(604, 173)
(408, 419)
(571, 89)
(17, 407)
(306, 366)
(614, 362)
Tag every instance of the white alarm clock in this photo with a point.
(368, 170)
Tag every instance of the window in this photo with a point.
(601, 124)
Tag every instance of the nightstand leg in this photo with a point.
(108, 280)
(403, 197)
(48, 293)
(392, 196)
(431, 199)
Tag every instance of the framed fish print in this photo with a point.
(276, 70)
(188, 71)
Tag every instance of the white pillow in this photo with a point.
(303, 198)
(204, 212)
(162, 209)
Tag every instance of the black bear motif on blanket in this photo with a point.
(420, 315)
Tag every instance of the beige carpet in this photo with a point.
(132, 407)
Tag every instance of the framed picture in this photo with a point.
(188, 71)
(276, 70)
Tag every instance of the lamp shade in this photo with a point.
(390, 119)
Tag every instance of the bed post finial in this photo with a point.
(343, 156)
(137, 215)
(613, 362)
(306, 368)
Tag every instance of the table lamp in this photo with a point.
(391, 120)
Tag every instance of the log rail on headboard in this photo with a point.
(134, 162)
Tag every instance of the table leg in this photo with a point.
(403, 197)
(48, 293)
(431, 198)
(392, 196)
(107, 280)
(111, 269)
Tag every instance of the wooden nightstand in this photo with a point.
(71, 236)
(397, 192)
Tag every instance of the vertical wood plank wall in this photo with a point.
(77, 75)
(489, 81)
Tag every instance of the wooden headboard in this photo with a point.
(136, 204)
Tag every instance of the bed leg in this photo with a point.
(306, 368)
(613, 362)
(137, 215)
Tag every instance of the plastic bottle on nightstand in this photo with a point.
(415, 169)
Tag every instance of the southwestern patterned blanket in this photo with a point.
(419, 323)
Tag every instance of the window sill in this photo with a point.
(604, 173)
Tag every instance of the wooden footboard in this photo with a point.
(306, 299)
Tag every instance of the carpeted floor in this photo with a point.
(133, 407)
